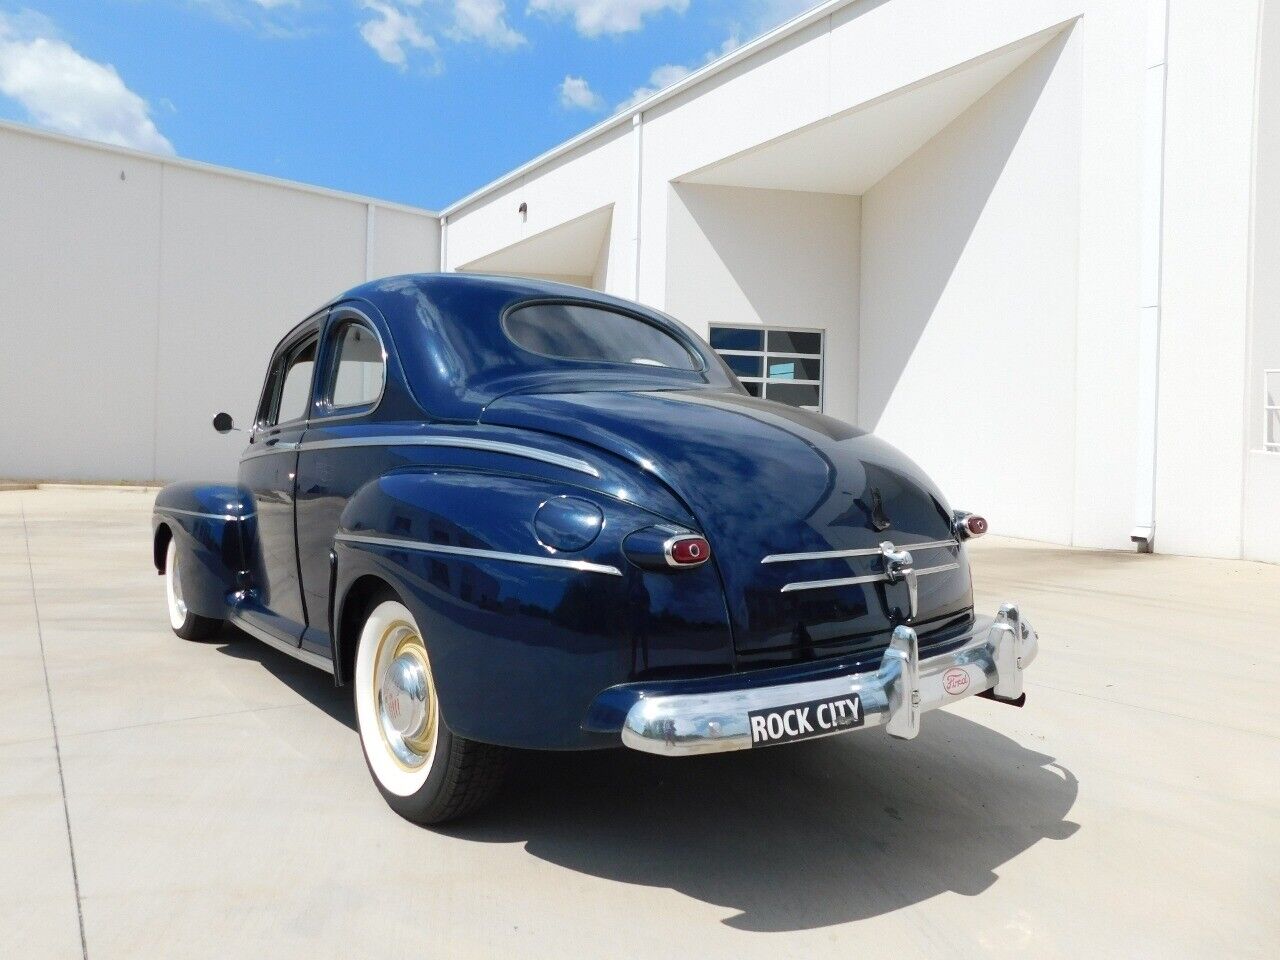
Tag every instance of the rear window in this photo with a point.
(571, 331)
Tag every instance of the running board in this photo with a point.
(271, 640)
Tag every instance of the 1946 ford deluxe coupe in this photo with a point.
(509, 513)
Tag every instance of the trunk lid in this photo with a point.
(766, 480)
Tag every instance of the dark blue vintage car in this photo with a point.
(509, 513)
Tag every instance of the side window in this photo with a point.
(294, 396)
(359, 368)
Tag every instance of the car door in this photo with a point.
(341, 453)
(268, 468)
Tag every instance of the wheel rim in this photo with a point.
(173, 588)
(401, 722)
(404, 693)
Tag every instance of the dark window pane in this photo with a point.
(791, 368)
(793, 394)
(737, 338)
(753, 388)
(569, 331)
(744, 366)
(786, 341)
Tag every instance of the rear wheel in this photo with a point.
(187, 625)
(426, 773)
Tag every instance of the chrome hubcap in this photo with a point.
(407, 711)
(404, 696)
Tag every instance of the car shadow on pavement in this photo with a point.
(794, 838)
(308, 682)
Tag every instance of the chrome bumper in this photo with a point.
(992, 657)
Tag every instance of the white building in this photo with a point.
(1040, 240)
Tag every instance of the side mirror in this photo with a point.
(223, 423)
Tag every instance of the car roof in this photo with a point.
(447, 332)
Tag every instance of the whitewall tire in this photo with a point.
(426, 773)
(185, 624)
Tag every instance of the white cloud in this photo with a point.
(66, 91)
(576, 94)
(594, 17)
(274, 4)
(664, 76)
(394, 31)
(669, 73)
(484, 20)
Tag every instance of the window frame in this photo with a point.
(765, 355)
(326, 409)
(269, 403)
(686, 342)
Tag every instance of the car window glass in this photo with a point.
(295, 392)
(359, 369)
(570, 331)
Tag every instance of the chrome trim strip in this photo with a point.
(464, 443)
(207, 516)
(940, 568)
(841, 582)
(870, 578)
(895, 695)
(283, 446)
(861, 552)
(583, 566)
(271, 640)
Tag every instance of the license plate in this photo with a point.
(800, 721)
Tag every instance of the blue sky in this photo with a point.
(418, 101)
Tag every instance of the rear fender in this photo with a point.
(519, 649)
(214, 528)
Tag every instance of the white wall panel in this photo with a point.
(778, 258)
(142, 304)
(967, 357)
(79, 281)
(242, 263)
(1208, 180)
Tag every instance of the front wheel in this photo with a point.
(187, 625)
(426, 773)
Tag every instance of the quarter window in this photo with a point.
(776, 363)
(359, 368)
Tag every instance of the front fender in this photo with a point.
(214, 527)
(519, 646)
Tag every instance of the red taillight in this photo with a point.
(687, 551)
(973, 525)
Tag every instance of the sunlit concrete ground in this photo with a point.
(217, 804)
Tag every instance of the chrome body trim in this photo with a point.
(899, 566)
(271, 640)
(838, 582)
(895, 695)
(283, 446)
(861, 552)
(462, 443)
(582, 566)
(207, 516)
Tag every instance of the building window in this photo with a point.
(777, 363)
(1271, 410)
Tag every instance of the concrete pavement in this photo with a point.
(210, 800)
